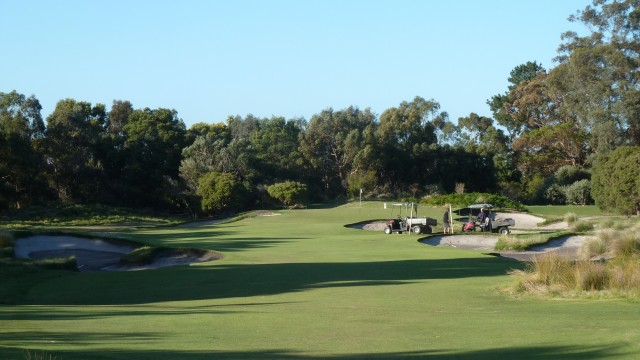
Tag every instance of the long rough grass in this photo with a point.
(610, 262)
(582, 226)
(594, 247)
(43, 355)
(519, 243)
(546, 274)
(625, 275)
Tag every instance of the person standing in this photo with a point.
(447, 222)
(483, 219)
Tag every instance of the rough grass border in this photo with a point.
(522, 242)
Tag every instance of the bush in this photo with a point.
(289, 193)
(570, 174)
(555, 195)
(534, 189)
(579, 193)
(221, 191)
(616, 180)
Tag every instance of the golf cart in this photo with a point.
(471, 217)
(411, 222)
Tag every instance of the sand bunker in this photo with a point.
(98, 254)
(523, 222)
(566, 247)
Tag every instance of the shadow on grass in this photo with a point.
(216, 281)
(206, 238)
(520, 353)
(30, 313)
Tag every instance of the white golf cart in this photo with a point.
(411, 222)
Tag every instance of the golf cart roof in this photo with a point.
(480, 206)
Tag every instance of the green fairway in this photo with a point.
(301, 285)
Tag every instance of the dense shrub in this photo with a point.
(221, 191)
(555, 195)
(569, 174)
(579, 193)
(616, 180)
(289, 193)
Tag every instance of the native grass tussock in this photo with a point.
(28, 355)
(520, 243)
(609, 265)
(570, 218)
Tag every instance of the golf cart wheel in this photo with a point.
(504, 230)
(387, 230)
(427, 230)
(416, 230)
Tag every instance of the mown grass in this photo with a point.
(303, 286)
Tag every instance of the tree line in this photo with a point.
(549, 132)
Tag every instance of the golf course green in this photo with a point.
(303, 285)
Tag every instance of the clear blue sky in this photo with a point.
(211, 59)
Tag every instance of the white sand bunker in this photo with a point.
(567, 247)
(474, 242)
(523, 221)
(98, 254)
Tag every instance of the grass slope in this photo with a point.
(302, 286)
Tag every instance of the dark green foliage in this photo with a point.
(153, 150)
(222, 191)
(569, 174)
(76, 214)
(462, 200)
(289, 193)
(555, 195)
(71, 150)
(21, 165)
(616, 180)
(579, 193)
